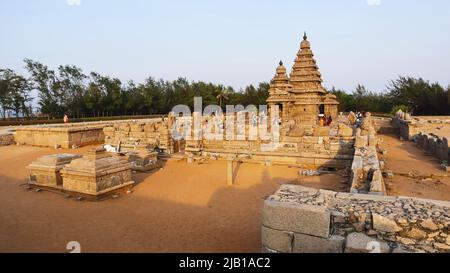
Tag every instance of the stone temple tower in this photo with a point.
(301, 96)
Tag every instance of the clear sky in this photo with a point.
(231, 42)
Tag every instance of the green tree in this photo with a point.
(14, 93)
(44, 80)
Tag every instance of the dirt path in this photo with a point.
(416, 173)
(182, 208)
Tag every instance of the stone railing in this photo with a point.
(435, 145)
(304, 220)
(415, 130)
(407, 126)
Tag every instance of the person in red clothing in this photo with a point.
(66, 119)
(329, 120)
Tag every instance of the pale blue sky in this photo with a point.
(231, 42)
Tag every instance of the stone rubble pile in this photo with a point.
(396, 224)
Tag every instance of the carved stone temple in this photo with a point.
(301, 96)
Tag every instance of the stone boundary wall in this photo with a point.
(303, 146)
(413, 130)
(407, 128)
(437, 146)
(65, 135)
(307, 151)
(366, 176)
(297, 219)
(147, 135)
(6, 139)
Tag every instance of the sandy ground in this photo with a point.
(181, 208)
(416, 173)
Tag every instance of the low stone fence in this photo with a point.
(366, 176)
(6, 139)
(416, 130)
(435, 145)
(297, 219)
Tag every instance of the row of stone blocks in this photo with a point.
(303, 220)
(407, 129)
(152, 134)
(94, 174)
(366, 169)
(437, 146)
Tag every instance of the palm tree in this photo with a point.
(223, 94)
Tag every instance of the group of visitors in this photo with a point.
(325, 120)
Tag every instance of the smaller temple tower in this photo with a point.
(301, 97)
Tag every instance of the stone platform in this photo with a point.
(60, 136)
(97, 173)
(45, 171)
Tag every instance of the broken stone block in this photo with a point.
(45, 171)
(321, 131)
(142, 160)
(280, 241)
(311, 244)
(361, 141)
(361, 243)
(381, 223)
(429, 224)
(416, 234)
(373, 140)
(345, 131)
(376, 185)
(97, 173)
(299, 218)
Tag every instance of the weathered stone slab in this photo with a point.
(311, 244)
(384, 224)
(280, 241)
(361, 243)
(299, 218)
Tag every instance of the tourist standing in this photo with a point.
(329, 120)
(66, 119)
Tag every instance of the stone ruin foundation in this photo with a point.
(69, 136)
(430, 135)
(45, 171)
(94, 175)
(297, 219)
(97, 173)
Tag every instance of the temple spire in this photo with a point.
(305, 76)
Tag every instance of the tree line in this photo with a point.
(67, 90)
(414, 95)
